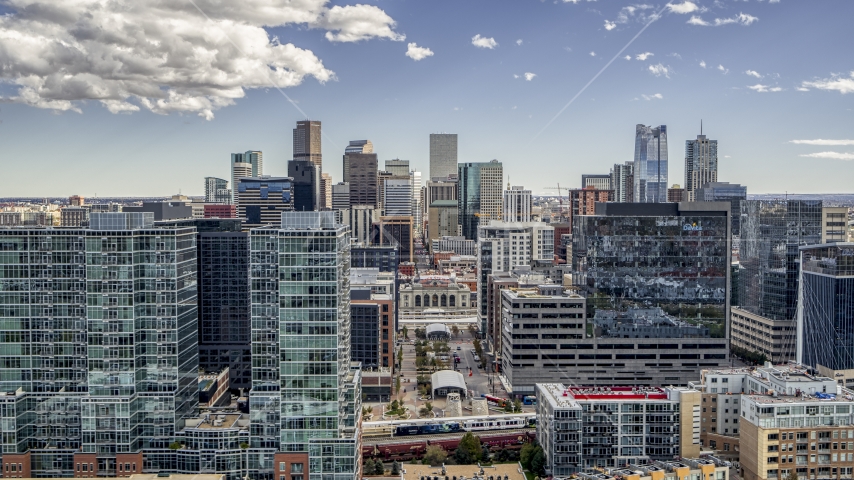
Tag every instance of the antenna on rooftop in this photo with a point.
(701, 126)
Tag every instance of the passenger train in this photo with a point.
(429, 426)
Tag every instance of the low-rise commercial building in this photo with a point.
(752, 332)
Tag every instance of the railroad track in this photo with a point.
(439, 436)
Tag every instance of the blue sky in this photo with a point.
(59, 139)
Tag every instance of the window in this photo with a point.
(281, 466)
(296, 468)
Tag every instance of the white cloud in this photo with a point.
(764, 88)
(802, 89)
(659, 70)
(610, 25)
(519, 42)
(530, 76)
(631, 12)
(592, 54)
(684, 7)
(721, 68)
(821, 141)
(416, 53)
(753, 73)
(741, 19)
(457, 109)
(628, 57)
(831, 155)
(643, 56)
(166, 55)
(352, 23)
(483, 42)
(656, 96)
(515, 76)
(695, 20)
(836, 83)
(703, 63)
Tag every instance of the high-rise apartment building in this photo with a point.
(701, 164)
(360, 171)
(261, 200)
(99, 338)
(74, 217)
(724, 192)
(623, 182)
(222, 290)
(443, 156)
(360, 219)
(833, 224)
(76, 201)
(650, 164)
(516, 206)
(306, 394)
(479, 195)
(826, 317)
(599, 182)
(325, 191)
(307, 142)
(248, 164)
(216, 190)
(306, 181)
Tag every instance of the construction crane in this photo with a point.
(563, 216)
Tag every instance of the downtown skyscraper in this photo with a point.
(479, 195)
(701, 164)
(443, 156)
(650, 164)
(307, 142)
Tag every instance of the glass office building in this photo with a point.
(99, 335)
(634, 256)
(479, 195)
(650, 164)
(771, 232)
(306, 395)
(725, 192)
(826, 323)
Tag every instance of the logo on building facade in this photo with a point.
(692, 227)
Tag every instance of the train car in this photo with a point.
(431, 426)
(477, 424)
(401, 451)
(403, 430)
(449, 445)
(499, 402)
(497, 442)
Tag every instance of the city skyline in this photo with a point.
(497, 82)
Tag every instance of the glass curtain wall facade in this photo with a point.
(631, 256)
(650, 164)
(99, 339)
(771, 232)
(826, 326)
(305, 395)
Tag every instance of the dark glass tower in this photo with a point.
(826, 323)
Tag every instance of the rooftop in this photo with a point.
(618, 393)
(221, 420)
(502, 471)
(557, 395)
